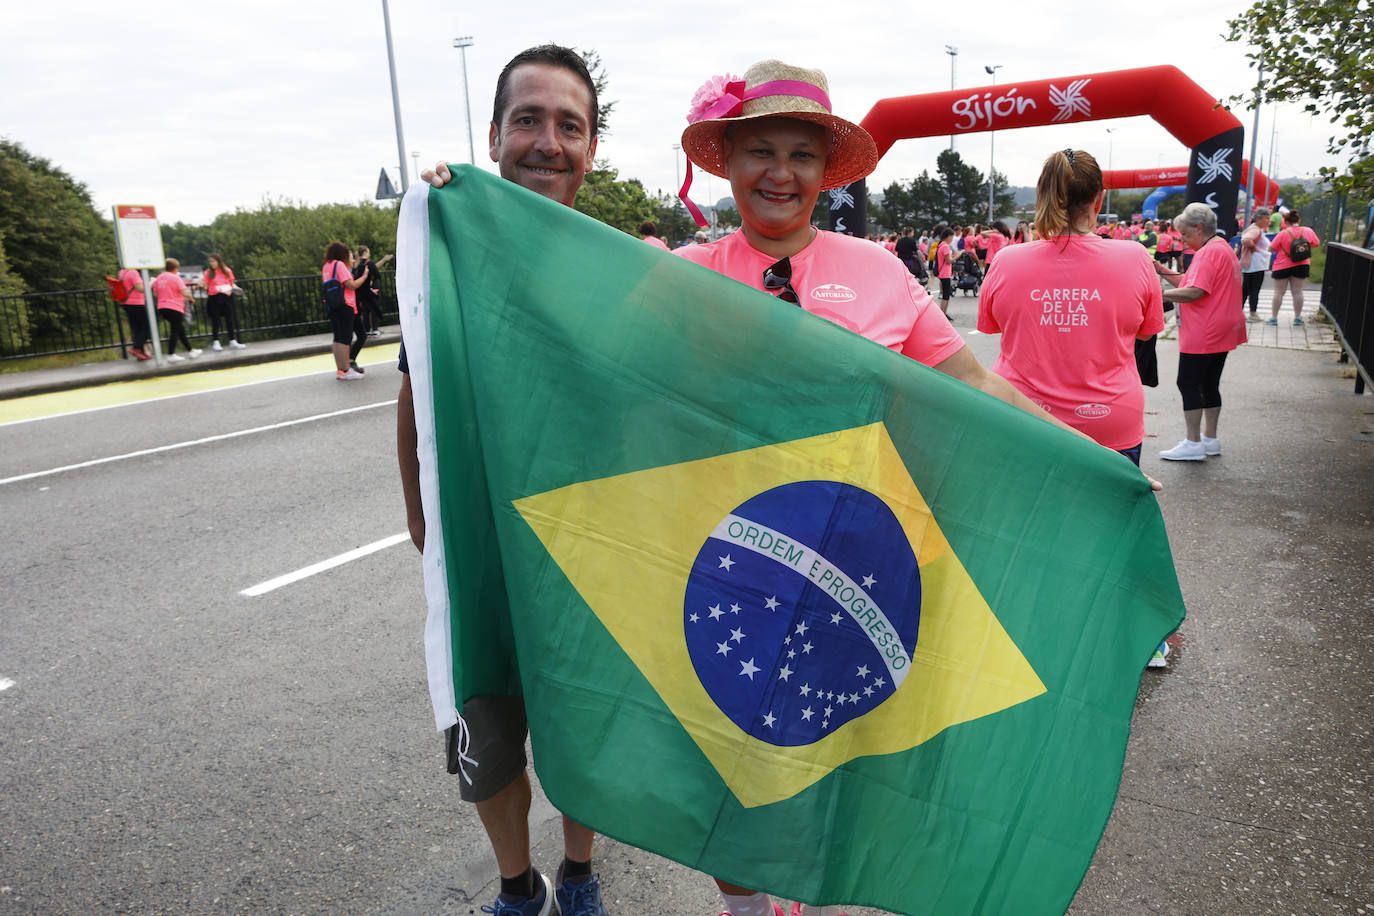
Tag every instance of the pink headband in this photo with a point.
(725, 98)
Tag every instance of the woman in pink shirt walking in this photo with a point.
(1291, 268)
(172, 296)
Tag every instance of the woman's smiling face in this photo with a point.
(776, 166)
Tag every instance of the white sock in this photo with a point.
(809, 910)
(757, 904)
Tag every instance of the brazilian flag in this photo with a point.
(785, 606)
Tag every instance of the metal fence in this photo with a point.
(89, 321)
(1348, 297)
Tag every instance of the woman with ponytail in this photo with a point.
(1070, 307)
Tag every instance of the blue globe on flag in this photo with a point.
(802, 610)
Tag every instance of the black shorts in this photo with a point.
(341, 322)
(946, 287)
(1164, 257)
(1299, 270)
(497, 730)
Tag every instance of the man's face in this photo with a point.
(544, 141)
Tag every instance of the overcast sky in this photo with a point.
(199, 109)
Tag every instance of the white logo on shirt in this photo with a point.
(834, 292)
(1092, 411)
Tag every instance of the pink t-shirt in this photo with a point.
(994, 243)
(1284, 240)
(167, 287)
(1069, 311)
(220, 283)
(850, 282)
(943, 262)
(1216, 322)
(131, 279)
(656, 242)
(339, 271)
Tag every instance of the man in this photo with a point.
(543, 137)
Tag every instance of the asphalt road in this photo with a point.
(170, 745)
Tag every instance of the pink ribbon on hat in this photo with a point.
(730, 104)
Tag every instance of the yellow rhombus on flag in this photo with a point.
(628, 543)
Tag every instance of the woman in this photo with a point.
(1070, 308)
(996, 237)
(172, 295)
(1291, 268)
(944, 266)
(343, 319)
(136, 310)
(779, 150)
(1211, 323)
(218, 281)
(368, 295)
(1254, 259)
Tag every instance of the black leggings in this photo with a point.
(1251, 281)
(1199, 379)
(221, 306)
(176, 329)
(138, 324)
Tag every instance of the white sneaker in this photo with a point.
(216, 347)
(348, 376)
(1161, 657)
(1187, 450)
(175, 358)
(235, 345)
(194, 353)
(1211, 446)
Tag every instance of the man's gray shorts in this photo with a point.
(496, 740)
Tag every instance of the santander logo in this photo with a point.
(834, 292)
(1092, 411)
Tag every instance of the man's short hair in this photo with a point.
(553, 56)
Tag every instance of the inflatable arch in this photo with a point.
(1150, 208)
(1164, 93)
(1118, 179)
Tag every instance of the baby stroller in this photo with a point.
(968, 276)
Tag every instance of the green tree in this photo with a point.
(965, 190)
(674, 224)
(621, 204)
(1317, 52)
(188, 244)
(14, 312)
(54, 238)
(1004, 201)
(599, 79)
(1294, 195)
(282, 238)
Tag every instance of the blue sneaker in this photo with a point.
(581, 899)
(539, 905)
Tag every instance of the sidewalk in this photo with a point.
(85, 375)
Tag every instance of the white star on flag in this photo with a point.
(863, 671)
(737, 635)
(784, 673)
(772, 603)
(716, 612)
(807, 714)
(734, 609)
(769, 719)
(806, 648)
(694, 618)
(805, 690)
(726, 563)
(828, 711)
(853, 698)
(748, 668)
(801, 628)
(869, 580)
(835, 618)
(879, 683)
(723, 648)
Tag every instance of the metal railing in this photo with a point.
(1348, 297)
(89, 321)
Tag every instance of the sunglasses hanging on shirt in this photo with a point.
(778, 276)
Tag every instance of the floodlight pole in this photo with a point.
(1254, 148)
(953, 52)
(462, 43)
(1109, 166)
(992, 137)
(395, 100)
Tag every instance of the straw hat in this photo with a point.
(771, 88)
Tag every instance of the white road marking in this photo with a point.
(6, 683)
(178, 445)
(263, 588)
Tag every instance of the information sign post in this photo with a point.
(138, 239)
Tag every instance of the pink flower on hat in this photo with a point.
(711, 93)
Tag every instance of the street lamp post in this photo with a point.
(953, 52)
(992, 139)
(677, 168)
(1109, 165)
(395, 99)
(415, 157)
(462, 43)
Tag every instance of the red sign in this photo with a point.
(134, 211)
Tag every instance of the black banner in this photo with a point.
(1214, 176)
(849, 209)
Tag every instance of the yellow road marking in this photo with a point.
(134, 391)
